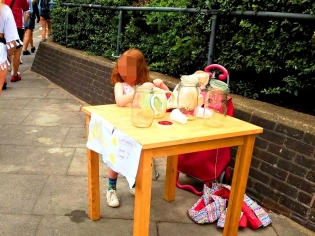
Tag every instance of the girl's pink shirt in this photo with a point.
(127, 88)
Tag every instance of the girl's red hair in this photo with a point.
(142, 67)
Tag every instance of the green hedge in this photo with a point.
(268, 59)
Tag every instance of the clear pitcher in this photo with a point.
(145, 105)
(167, 98)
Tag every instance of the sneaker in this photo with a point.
(15, 78)
(4, 86)
(40, 28)
(27, 52)
(33, 49)
(112, 198)
(132, 191)
(21, 62)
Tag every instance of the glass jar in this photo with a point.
(145, 105)
(187, 98)
(215, 107)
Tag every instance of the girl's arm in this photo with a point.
(159, 83)
(121, 98)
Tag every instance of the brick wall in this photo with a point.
(282, 174)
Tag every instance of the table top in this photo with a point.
(155, 136)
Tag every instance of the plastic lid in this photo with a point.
(218, 84)
(192, 79)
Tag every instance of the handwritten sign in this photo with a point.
(120, 152)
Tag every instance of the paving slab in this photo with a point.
(30, 75)
(286, 227)
(170, 229)
(79, 166)
(14, 103)
(24, 225)
(63, 195)
(54, 104)
(76, 137)
(33, 135)
(13, 116)
(59, 94)
(19, 192)
(12, 92)
(54, 118)
(69, 226)
(27, 83)
(35, 160)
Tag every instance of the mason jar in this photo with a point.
(215, 107)
(187, 98)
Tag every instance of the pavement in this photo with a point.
(43, 173)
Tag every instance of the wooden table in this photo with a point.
(158, 142)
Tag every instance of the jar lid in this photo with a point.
(218, 84)
(190, 79)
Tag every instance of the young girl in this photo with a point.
(130, 70)
(8, 37)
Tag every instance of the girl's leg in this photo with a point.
(49, 27)
(43, 24)
(111, 195)
(112, 179)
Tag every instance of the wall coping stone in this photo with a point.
(301, 121)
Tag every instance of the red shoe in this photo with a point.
(4, 85)
(15, 78)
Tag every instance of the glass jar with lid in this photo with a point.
(187, 98)
(215, 107)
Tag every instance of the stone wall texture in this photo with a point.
(282, 174)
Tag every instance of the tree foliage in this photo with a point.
(270, 59)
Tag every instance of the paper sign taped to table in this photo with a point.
(120, 152)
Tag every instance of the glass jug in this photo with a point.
(167, 97)
(145, 105)
(187, 98)
(216, 104)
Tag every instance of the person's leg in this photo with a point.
(112, 198)
(48, 27)
(43, 24)
(31, 40)
(16, 59)
(3, 74)
(27, 39)
(112, 179)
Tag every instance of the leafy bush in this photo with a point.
(268, 59)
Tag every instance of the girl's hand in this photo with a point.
(159, 83)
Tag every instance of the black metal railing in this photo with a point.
(213, 12)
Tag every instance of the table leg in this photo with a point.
(143, 195)
(93, 179)
(170, 178)
(93, 185)
(240, 176)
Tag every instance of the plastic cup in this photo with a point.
(177, 116)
